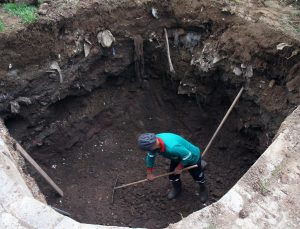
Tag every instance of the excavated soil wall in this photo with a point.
(81, 122)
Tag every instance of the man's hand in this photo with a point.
(178, 169)
(150, 177)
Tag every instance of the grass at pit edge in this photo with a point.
(1, 26)
(28, 14)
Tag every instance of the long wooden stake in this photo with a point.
(207, 147)
(113, 194)
(168, 53)
(38, 168)
(223, 120)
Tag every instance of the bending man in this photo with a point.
(181, 153)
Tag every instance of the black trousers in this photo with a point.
(197, 173)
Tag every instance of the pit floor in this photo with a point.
(95, 142)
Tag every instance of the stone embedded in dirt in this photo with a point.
(237, 71)
(271, 84)
(154, 13)
(105, 38)
(249, 71)
(87, 49)
(14, 107)
(293, 85)
(13, 73)
(54, 66)
(43, 9)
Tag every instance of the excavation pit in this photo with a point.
(91, 141)
(82, 126)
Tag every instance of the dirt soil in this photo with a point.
(83, 131)
(87, 154)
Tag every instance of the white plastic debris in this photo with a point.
(10, 66)
(105, 38)
(87, 49)
(154, 13)
(237, 71)
(282, 46)
(24, 100)
(54, 66)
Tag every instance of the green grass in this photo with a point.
(28, 14)
(1, 26)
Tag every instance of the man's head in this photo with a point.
(147, 141)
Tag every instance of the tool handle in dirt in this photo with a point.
(158, 176)
(39, 169)
(223, 120)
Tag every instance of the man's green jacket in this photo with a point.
(175, 148)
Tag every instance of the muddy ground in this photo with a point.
(83, 130)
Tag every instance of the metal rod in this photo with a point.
(38, 168)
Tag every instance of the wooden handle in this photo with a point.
(168, 53)
(39, 169)
(223, 120)
(158, 176)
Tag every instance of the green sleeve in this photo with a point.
(150, 159)
(185, 155)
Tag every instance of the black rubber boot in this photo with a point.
(203, 164)
(176, 190)
(203, 192)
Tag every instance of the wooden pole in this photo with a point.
(39, 169)
(168, 53)
(207, 147)
(158, 176)
(223, 120)
(113, 194)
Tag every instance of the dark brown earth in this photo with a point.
(87, 156)
(83, 131)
